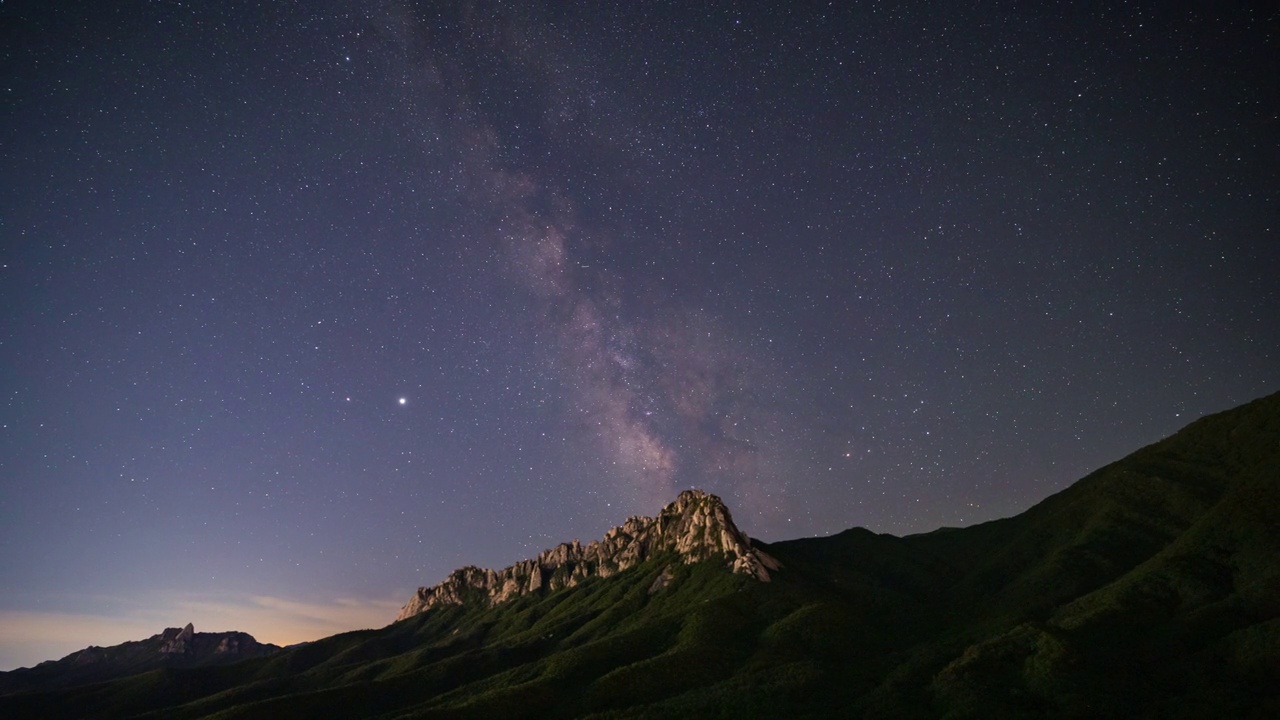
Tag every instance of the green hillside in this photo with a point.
(1150, 588)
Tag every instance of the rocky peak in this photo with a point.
(186, 642)
(175, 641)
(696, 527)
(174, 647)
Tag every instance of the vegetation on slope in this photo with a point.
(1149, 589)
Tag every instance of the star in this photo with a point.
(734, 324)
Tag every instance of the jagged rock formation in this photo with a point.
(696, 527)
(1163, 561)
(175, 641)
(175, 647)
(188, 643)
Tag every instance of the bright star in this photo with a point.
(403, 401)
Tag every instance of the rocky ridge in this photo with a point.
(174, 647)
(177, 645)
(696, 527)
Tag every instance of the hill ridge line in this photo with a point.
(697, 526)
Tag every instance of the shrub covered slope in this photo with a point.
(1150, 588)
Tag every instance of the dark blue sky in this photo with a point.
(304, 305)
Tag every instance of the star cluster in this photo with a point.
(304, 305)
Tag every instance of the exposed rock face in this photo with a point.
(662, 581)
(175, 647)
(186, 642)
(697, 527)
(175, 641)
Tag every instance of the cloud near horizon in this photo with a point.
(29, 637)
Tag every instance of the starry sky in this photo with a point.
(303, 305)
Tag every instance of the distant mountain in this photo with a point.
(175, 647)
(694, 528)
(1150, 588)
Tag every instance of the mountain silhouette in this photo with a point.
(1149, 588)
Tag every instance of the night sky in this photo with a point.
(303, 305)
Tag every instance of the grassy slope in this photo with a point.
(1149, 588)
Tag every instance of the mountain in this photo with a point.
(175, 647)
(694, 528)
(1147, 589)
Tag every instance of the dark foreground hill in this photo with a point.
(173, 648)
(1151, 588)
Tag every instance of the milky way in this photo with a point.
(659, 387)
(303, 306)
